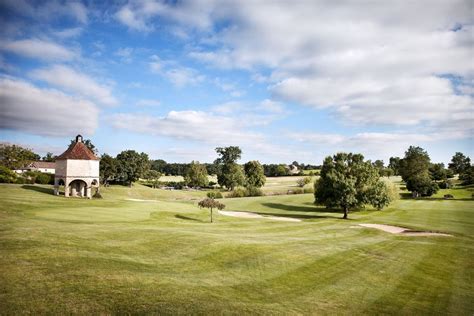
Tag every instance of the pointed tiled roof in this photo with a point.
(78, 151)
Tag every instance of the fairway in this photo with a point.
(163, 256)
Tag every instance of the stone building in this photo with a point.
(78, 170)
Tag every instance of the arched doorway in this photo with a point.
(78, 188)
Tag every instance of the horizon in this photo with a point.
(283, 81)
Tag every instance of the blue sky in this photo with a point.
(283, 80)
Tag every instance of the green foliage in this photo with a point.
(228, 155)
(44, 178)
(438, 172)
(107, 168)
(237, 193)
(347, 181)
(459, 163)
(378, 195)
(214, 195)
(49, 157)
(253, 191)
(88, 144)
(254, 176)
(467, 176)
(301, 182)
(211, 204)
(308, 190)
(231, 176)
(414, 169)
(131, 165)
(394, 164)
(196, 176)
(16, 157)
(7, 175)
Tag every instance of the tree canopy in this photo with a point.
(459, 163)
(254, 176)
(196, 176)
(231, 176)
(131, 165)
(16, 157)
(228, 155)
(211, 204)
(414, 169)
(347, 181)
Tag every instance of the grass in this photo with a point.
(116, 256)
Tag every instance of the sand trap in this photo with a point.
(254, 215)
(138, 200)
(401, 231)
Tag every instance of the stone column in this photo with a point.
(89, 192)
(66, 188)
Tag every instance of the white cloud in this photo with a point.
(26, 108)
(178, 75)
(188, 125)
(68, 33)
(125, 54)
(39, 49)
(148, 103)
(77, 82)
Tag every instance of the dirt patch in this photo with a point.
(401, 230)
(255, 215)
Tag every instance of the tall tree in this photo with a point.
(16, 157)
(347, 181)
(380, 166)
(158, 165)
(414, 169)
(131, 165)
(108, 169)
(254, 176)
(228, 155)
(394, 164)
(437, 171)
(231, 176)
(196, 176)
(459, 163)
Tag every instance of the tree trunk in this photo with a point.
(211, 214)
(346, 210)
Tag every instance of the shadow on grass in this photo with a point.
(310, 208)
(299, 216)
(38, 189)
(189, 218)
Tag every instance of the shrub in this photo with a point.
(301, 182)
(448, 196)
(252, 191)
(6, 175)
(97, 195)
(214, 195)
(237, 193)
(43, 178)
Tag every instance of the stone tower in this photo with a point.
(78, 170)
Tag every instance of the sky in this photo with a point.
(284, 80)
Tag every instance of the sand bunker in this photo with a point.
(139, 200)
(401, 231)
(255, 215)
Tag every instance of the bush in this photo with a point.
(21, 180)
(43, 178)
(448, 196)
(252, 191)
(97, 195)
(237, 193)
(6, 175)
(301, 182)
(214, 195)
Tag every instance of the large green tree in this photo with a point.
(438, 172)
(394, 164)
(108, 168)
(196, 175)
(414, 169)
(230, 173)
(459, 163)
(347, 181)
(254, 176)
(131, 165)
(16, 157)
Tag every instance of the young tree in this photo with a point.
(211, 204)
(459, 163)
(347, 181)
(414, 169)
(132, 165)
(15, 157)
(254, 176)
(301, 182)
(107, 169)
(196, 176)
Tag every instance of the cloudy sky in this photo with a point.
(284, 80)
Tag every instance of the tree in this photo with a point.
(254, 175)
(49, 157)
(107, 169)
(467, 176)
(394, 164)
(231, 175)
(438, 172)
(132, 165)
(414, 169)
(347, 181)
(196, 176)
(16, 157)
(228, 155)
(301, 182)
(211, 204)
(88, 144)
(380, 166)
(459, 163)
(158, 165)
(153, 176)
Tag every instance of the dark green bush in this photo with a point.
(43, 178)
(214, 195)
(252, 191)
(7, 175)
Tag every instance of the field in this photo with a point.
(150, 251)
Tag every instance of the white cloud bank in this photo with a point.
(26, 108)
(39, 49)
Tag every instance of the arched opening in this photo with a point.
(78, 188)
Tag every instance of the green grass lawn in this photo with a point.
(162, 256)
